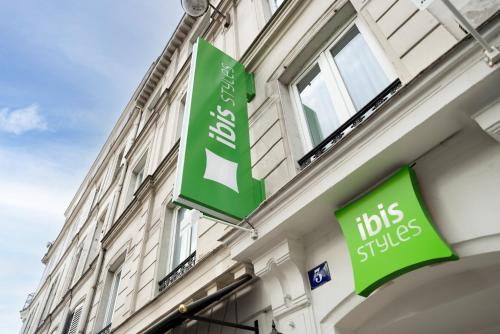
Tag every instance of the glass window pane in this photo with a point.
(112, 297)
(194, 237)
(275, 4)
(184, 244)
(185, 236)
(362, 74)
(317, 106)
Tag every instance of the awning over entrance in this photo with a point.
(189, 311)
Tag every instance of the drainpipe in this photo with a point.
(111, 218)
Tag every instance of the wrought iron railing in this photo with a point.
(178, 272)
(28, 301)
(358, 118)
(105, 330)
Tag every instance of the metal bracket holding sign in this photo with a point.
(492, 53)
(252, 230)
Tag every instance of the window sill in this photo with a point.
(357, 119)
(178, 272)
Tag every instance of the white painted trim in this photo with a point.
(110, 308)
(185, 123)
(339, 95)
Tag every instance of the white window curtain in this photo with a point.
(361, 73)
(344, 78)
(186, 236)
(110, 307)
(317, 105)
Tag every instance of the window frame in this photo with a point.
(181, 111)
(117, 166)
(337, 90)
(174, 240)
(94, 241)
(51, 296)
(72, 322)
(73, 267)
(110, 306)
(31, 319)
(274, 6)
(140, 168)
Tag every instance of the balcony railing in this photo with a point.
(178, 272)
(28, 301)
(105, 330)
(358, 118)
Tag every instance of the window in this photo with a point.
(118, 165)
(275, 4)
(72, 321)
(137, 177)
(94, 243)
(186, 235)
(317, 105)
(360, 72)
(180, 119)
(30, 319)
(85, 210)
(341, 81)
(109, 295)
(50, 300)
(110, 305)
(95, 196)
(73, 268)
(180, 236)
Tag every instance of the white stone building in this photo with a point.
(346, 93)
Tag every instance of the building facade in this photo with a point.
(347, 92)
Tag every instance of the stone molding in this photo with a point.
(282, 272)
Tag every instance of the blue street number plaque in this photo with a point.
(319, 275)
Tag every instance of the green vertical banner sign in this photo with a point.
(389, 232)
(214, 173)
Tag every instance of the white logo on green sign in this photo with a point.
(389, 232)
(214, 172)
(221, 170)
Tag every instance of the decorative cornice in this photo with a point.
(282, 271)
(162, 63)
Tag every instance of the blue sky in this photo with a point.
(67, 69)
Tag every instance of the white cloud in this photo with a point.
(19, 121)
(40, 181)
(36, 198)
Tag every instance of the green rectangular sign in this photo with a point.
(214, 173)
(389, 232)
